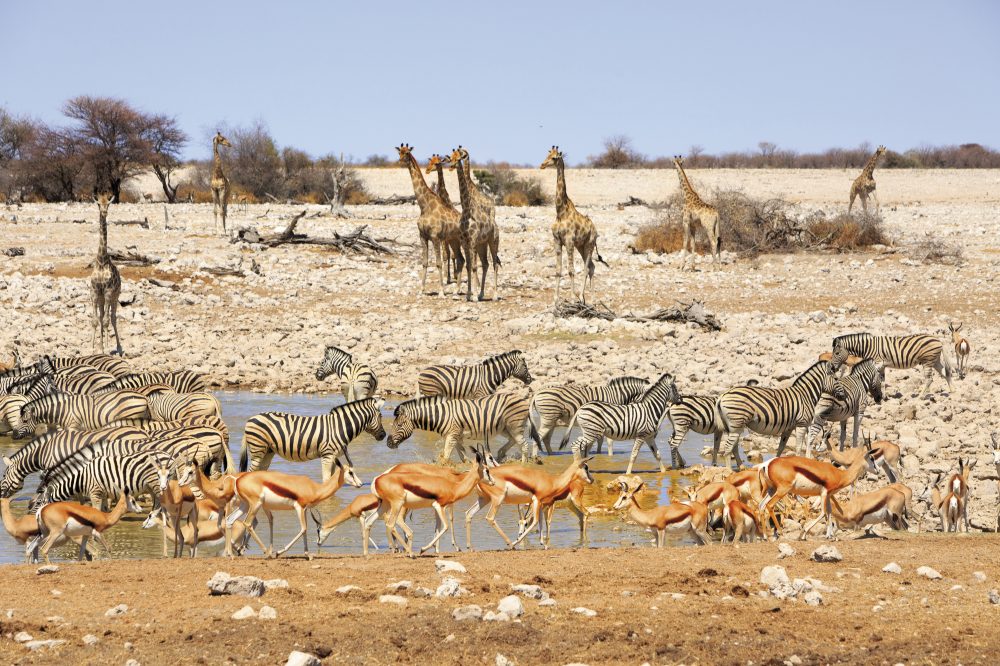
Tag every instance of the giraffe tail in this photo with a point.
(597, 253)
(496, 259)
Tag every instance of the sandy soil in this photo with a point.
(675, 605)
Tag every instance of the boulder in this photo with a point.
(244, 613)
(511, 605)
(296, 658)
(448, 566)
(827, 553)
(244, 586)
(470, 612)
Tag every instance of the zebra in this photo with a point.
(79, 382)
(113, 364)
(697, 413)
(556, 405)
(32, 387)
(84, 412)
(214, 422)
(848, 398)
(472, 381)
(497, 414)
(773, 411)
(140, 473)
(182, 381)
(639, 420)
(47, 451)
(10, 414)
(168, 405)
(300, 438)
(357, 380)
(898, 351)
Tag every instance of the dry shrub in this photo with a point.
(357, 197)
(933, 250)
(503, 183)
(847, 232)
(665, 236)
(517, 198)
(201, 195)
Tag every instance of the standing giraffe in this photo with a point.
(220, 183)
(479, 228)
(864, 184)
(453, 248)
(437, 222)
(697, 211)
(572, 229)
(105, 283)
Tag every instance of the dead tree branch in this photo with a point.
(693, 311)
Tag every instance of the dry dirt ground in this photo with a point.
(667, 606)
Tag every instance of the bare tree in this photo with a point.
(166, 140)
(16, 135)
(618, 154)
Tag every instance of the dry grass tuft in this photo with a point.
(933, 250)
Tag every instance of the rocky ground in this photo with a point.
(910, 599)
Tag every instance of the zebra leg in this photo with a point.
(843, 435)
(579, 445)
(651, 443)
(928, 378)
(860, 414)
(635, 454)
(734, 447)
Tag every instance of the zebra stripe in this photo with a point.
(213, 422)
(498, 414)
(84, 412)
(182, 381)
(32, 387)
(357, 380)
(300, 438)
(141, 473)
(557, 404)
(848, 398)
(173, 406)
(83, 379)
(697, 413)
(112, 364)
(899, 351)
(10, 414)
(773, 411)
(472, 381)
(639, 420)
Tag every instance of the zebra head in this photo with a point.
(374, 425)
(9, 484)
(628, 486)
(402, 426)
(877, 381)
(520, 370)
(29, 422)
(334, 360)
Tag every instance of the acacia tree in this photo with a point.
(166, 140)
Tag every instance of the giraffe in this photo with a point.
(453, 248)
(437, 222)
(697, 211)
(864, 184)
(105, 283)
(479, 227)
(571, 230)
(220, 184)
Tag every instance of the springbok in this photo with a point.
(716, 496)
(277, 491)
(886, 505)
(958, 484)
(71, 520)
(363, 507)
(949, 506)
(741, 523)
(178, 499)
(208, 533)
(851, 361)
(24, 530)
(547, 505)
(401, 491)
(689, 516)
(962, 348)
(806, 477)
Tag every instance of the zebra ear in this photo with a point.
(7, 461)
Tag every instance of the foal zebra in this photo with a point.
(898, 351)
(301, 438)
(472, 381)
(82, 380)
(357, 380)
(848, 398)
(498, 414)
(773, 411)
(638, 420)
(556, 405)
(84, 412)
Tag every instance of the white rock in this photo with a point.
(392, 599)
(503, 660)
(91, 639)
(994, 597)
(38, 645)
(423, 592)
(794, 660)
(511, 605)
(296, 658)
(785, 550)
(470, 612)
(774, 575)
(813, 598)
(490, 616)
(979, 576)
(892, 568)
(586, 612)
(244, 586)
(47, 569)
(244, 613)
(399, 585)
(827, 553)
(275, 584)
(448, 566)
(450, 587)
(928, 572)
(346, 589)
(267, 613)
(120, 609)
(535, 592)
(547, 602)
(23, 637)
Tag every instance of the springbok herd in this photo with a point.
(112, 433)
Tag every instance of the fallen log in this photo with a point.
(394, 200)
(356, 241)
(131, 257)
(683, 312)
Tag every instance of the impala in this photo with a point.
(72, 520)
(688, 516)
(740, 522)
(886, 505)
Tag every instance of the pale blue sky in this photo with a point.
(508, 79)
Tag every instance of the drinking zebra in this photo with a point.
(848, 398)
(357, 380)
(498, 414)
(472, 381)
(639, 420)
(113, 364)
(83, 412)
(697, 413)
(773, 411)
(141, 473)
(300, 438)
(897, 351)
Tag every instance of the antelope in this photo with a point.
(885, 456)
(747, 482)
(690, 516)
(958, 484)
(177, 498)
(962, 348)
(24, 530)
(70, 520)
(15, 362)
(806, 477)
(209, 534)
(950, 506)
(515, 484)
(885, 505)
(851, 361)
(739, 520)
(276, 491)
(363, 507)
(573, 493)
(401, 491)
(715, 495)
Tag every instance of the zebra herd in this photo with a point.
(110, 430)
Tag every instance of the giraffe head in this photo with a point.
(678, 161)
(103, 202)
(219, 140)
(880, 151)
(457, 155)
(434, 162)
(554, 157)
(405, 152)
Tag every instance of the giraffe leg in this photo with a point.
(559, 254)
(98, 321)
(851, 205)
(878, 206)
(685, 223)
(484, 262)
(113, 316)
(437, 253)
(864, 202)
(225, 207)
(571, 268)
(469, 262)
(423, 276)
(216, 204)
(494, 253)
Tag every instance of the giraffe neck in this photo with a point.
(689, 193)
(102, 237)
(216, 161)
(464, 185)
(562, 199)
(420, 189)
(442, 191)
(870, 165)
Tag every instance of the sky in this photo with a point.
(509, 79)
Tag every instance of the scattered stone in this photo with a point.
(586, 612)
(511, 605)
(38, 645)
(392, 599)
(345, 589)
(490, 616)
(267, 613)
(47, 569)
(55, 593)
(276, 584)
(129, 646)
(55, 618)
(892, 568)
(994, 597)
(470, 612)
(785, 550)
(399, 585)
(23, 637)
(813, 598)
(132, 662)
(450, 587)
(448, 566)
(502, 660)
(774, 575)
(244, 586)
(120, 609)
(244, 613)
(979, 576)
(547, 602)
(928, 572)
(794, 660)
(423, 592)
(536, 592)
(827, 553)
(296, 658)
(91, 639)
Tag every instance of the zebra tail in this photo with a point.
(721, 422)
(569, 428)
(244, 463)
(533, 431)
(228, 458)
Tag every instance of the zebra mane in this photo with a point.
(850, 337)
(503, 357)
(863, 365)
(620, 381)
(653, 385)
(813, 369)
(332, 349)
(427, 399)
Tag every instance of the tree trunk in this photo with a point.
(170, 191)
